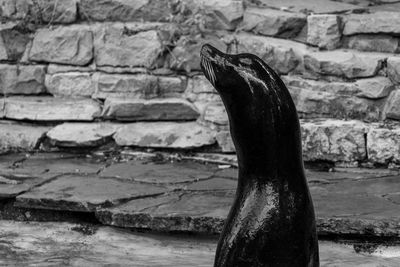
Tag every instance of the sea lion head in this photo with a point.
(262, 115)
(228, 73)
(245, 79)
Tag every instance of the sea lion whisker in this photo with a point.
(210, 72)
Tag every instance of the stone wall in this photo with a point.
(89, 73)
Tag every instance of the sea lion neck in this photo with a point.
(262, 116)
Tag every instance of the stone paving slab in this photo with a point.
(361, 202)
(191, 196)
(119, 183)
(66, 244)
(15, 185)
(20, 137)
(85, 193)
(21, 172)
(201, 212)
(152, 172)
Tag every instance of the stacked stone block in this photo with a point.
(83, 73)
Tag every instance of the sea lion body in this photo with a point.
(272, 221)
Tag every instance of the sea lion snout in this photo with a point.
(209, 52)
(218, 67)
(206, 50)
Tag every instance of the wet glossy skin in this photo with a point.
(271, 222)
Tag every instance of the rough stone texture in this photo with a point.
(3, 50)
(337, 92)
(324, 31)
(149, 110)
(339, 96)
(66, 45)
(17, 9)
(130, 45)
(46, 11)
(57, 68)
(84, 193)
(20, 79)
(7, 8)
(165, 134)
(383, 145)
(392, 109)
(202, 100)
(282, 55)
(374, 88)
(393, 69)
(125, 10)
(82, 134)
(25, 56)
(171, 86)
(333, 140)
(138, 85)
(200, 91)
(174, 173)
(311, 104)
(340, 88)
(2, 107)
(366, 207)
(357, 202)
(200, 84)
(222, 14)
(15, 185)
(185, 55)
(216, 113)
(47, 165)
(125, 85)
(13, 41)
(339, 174)
(378, 22)
(114, 10)
(272, 22)
(70, 84)
(343, 63)
(312, 6)
(54, 11)
(351, 206)
(224, 140)
(21, 172)
(202, 212)
(386, 7)
(213, 184)
(378, 43)
(51, 109)
(15, 137)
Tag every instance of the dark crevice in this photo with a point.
(121, 201)
(10, 212)
(319, 165)
(163, 203)
(366, 146)
(52, 123)
(359, 238)
(26, 122)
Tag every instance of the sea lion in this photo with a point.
(272, 221)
